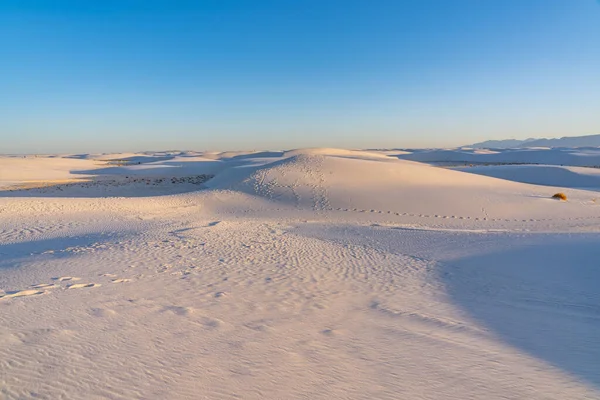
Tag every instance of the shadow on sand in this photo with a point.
(543, 298)
(118, 186)
(14, 254)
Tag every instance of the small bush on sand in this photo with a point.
(560, 196)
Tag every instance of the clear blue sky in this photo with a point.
(87, 76)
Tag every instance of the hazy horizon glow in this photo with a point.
(227, 75)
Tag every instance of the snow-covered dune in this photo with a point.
(310, 273)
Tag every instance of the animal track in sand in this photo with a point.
(192, 314)
(66, 278)
(22, 293)
(82, 285)
(439, 216)
(211, 323)
(102, 312)
(37, 288)
(43, 286)
(183, 311)
(456, 217)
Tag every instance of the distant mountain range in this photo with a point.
(573, 141)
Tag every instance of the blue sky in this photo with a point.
(120, 75)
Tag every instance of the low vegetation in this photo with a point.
(560, 196)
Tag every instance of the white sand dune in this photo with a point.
(26, 169)
(549, 175)
(578, 157)
(311, 273)
(386, 185)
